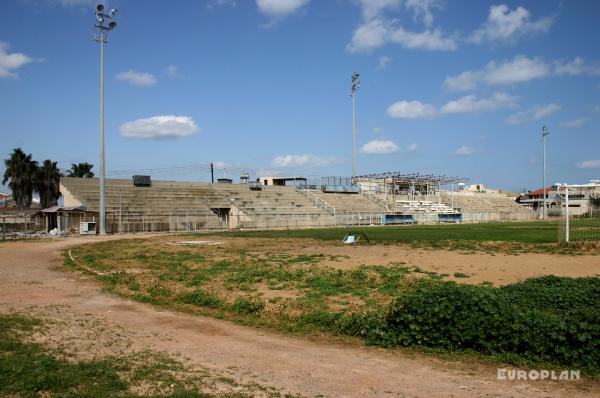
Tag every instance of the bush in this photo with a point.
(547, 319)
(201, 298)
(247, 305)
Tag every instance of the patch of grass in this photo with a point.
(248, 305)
(513, 237)
(201, 298)
(460, 275)
(29, 369)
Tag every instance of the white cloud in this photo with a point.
(383, 62)
(380, 147)
(467, 151)
(379, 32)
(424, 9)
(411, 110)
(10, 62)
(578, 66)
(464, 82)
(212, 4)
(160, 127)
(470, 103)
(505, 25)
(412, 147)
(374, 8)
(279, 9)
(173, 71)
(535, 113)
(301, 160)
(589, 164)
(377, 129)
(137, 78)
(577, 123)
(519, 69)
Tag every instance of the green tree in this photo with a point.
(81, 170)
(22, 172)
(47, 184)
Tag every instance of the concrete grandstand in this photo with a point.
(189, 206)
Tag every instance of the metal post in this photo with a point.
(101, 38)
(120, 213)
(567, 213)
(355, 86)
(102, 204)
(545, 132)
(353, 137)
(212, 173)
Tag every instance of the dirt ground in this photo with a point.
(32, 281)
(498, 268)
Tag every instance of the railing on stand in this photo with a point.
(315, 199)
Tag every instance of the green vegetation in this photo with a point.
(550, 321)
(542, 320)
(285, 291)
(81, 170)
(522, 232)
(512, 238)
(28, 369)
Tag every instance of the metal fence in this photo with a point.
(15, 227)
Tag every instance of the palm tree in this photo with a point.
(81, 170)
(22, 172)
(47, 183)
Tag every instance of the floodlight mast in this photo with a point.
(353, 90)
(545, 132)
(101, 37)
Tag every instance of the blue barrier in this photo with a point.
(450, 218)
(389, 219)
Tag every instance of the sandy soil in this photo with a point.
(498, 268)
(32, 279)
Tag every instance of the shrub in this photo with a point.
(201, 298)
(548, 319)
(247, 305)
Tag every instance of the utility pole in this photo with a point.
(545, 132)
(212, 173)
(101, 38)
(353, 90)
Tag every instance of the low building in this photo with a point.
(283, 181)
(583, 199)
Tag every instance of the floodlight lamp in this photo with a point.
(100, 8)
(113, 12)
(100, 18)
(112, 25)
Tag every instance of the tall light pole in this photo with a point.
(545, 132)
(101, 37)
(353, 90)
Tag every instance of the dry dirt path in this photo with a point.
(31, 275)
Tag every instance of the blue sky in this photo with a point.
(460, 88)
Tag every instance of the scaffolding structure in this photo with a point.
(397, 183)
